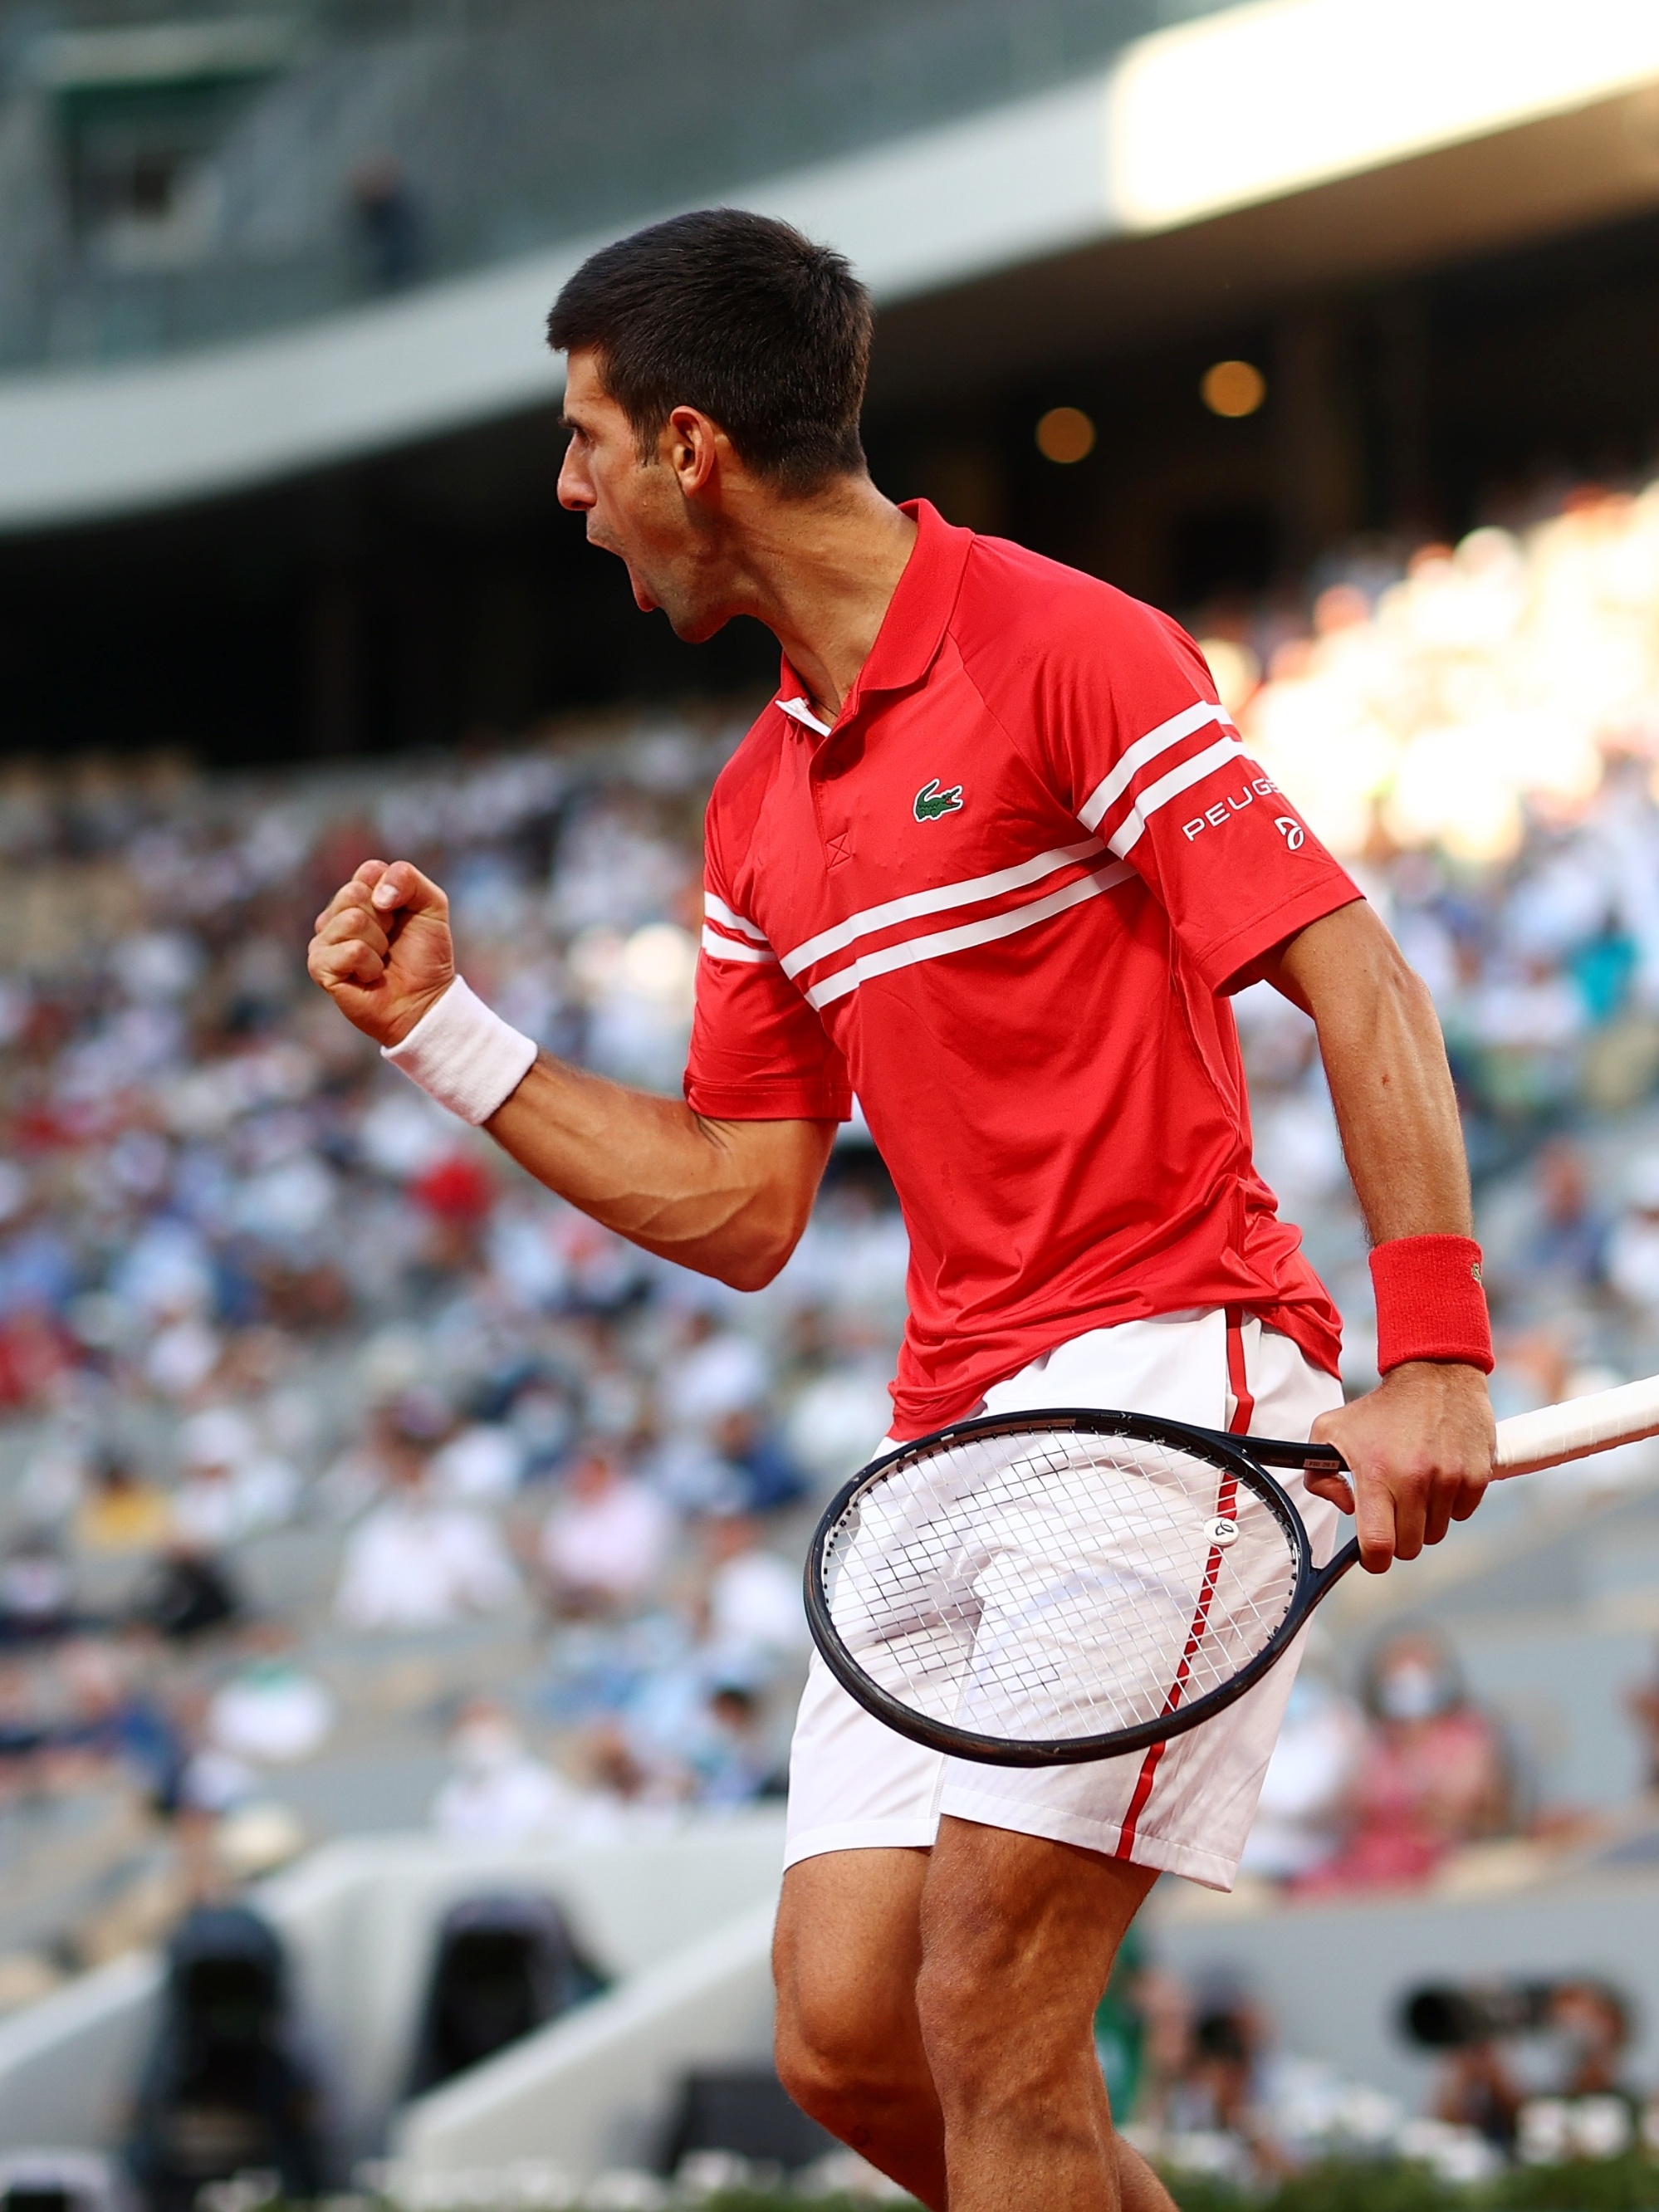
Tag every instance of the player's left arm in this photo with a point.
(1421, 1445)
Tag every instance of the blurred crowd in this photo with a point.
(293, 1365)
(295, 1369)
(1475, 729)
(1535, 2073)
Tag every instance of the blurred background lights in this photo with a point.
(1235, 669)
(1065, 434)
(1233, 388)
(1489, 685)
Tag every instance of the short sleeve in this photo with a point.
(758, 1051)
(1145, 756)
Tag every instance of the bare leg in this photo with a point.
(848, 1951)
(1020, 1936)
(1018, 1939)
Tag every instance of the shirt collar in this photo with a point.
(912, 628)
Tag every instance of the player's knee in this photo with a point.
(957, 1999)
(833, 2065)
(822, 2081)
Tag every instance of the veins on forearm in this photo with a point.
(649, 1168)
(1396, 1112)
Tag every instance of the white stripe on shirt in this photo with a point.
(728, 948)
(1170, 786)
(943, 942)
(718, 910)
(940, 901)
(1113, 786)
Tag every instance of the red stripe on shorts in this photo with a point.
(1225, 1498)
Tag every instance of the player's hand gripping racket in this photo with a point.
(1034, 1589)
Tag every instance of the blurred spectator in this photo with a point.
(718, 1373)
(1633, 1247)
(1213, 2082)
(390, 231)
(1306, 1793)
(37, 1595)
(768, 1476)
(270, 1710)
(414, 1562)
(605, 1544)
(186, 1594)
(481, 1464)
(1476, 2088)
(1591, 2022)
(498, 1792)
(112, 1719)
(1571, 1236)
(1433, 1776)
(232, 1489)
(727, 1753)
(123, 1512)
(1556, 1253)
(756, 1613)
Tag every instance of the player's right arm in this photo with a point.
(727, 1198)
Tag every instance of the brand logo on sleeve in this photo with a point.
(932, 802)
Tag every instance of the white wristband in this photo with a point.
(462, 1054)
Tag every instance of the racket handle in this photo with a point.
(1555, 1434)
(1273, 1451)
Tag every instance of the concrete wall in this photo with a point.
(595, 2090)
(360, 1917)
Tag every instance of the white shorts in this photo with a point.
(1185, 1806)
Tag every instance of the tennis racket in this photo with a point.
(1040, 1588)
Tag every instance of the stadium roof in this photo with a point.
(1222, 151)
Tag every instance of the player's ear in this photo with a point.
(692, 449)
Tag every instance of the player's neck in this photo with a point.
(820, 574)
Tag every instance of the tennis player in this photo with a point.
(993, 858)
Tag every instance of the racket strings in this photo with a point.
(1043, 1587)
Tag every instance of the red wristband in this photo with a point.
(1430, 1302)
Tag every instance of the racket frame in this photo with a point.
(1247, 1458)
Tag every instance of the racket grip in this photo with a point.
(1273, 1451)
(1556, 1434)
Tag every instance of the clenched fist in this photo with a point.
(383, 950)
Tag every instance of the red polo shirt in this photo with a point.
(1003, 899)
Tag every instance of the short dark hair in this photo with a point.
(740, 316)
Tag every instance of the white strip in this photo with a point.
(1556, 1433)
(940, 900)
(1156, 741)
(1170, 786)
(727, 948)
(799, 711)
(945, 941)
(718, 910)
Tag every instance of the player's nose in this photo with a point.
(575, 485)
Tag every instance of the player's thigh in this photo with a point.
(1018, 1935)
(845, 1958)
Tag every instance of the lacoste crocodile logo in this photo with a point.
(932, 802)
